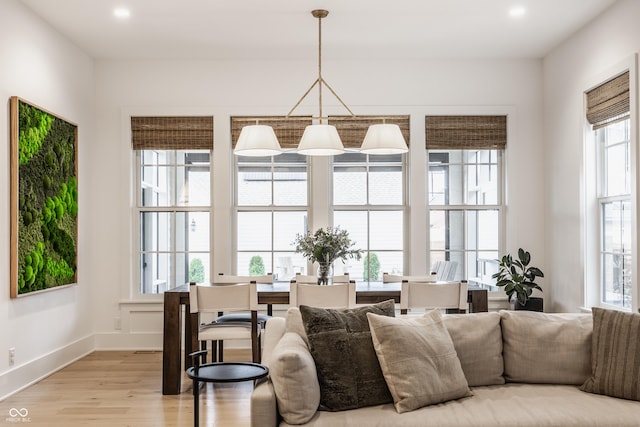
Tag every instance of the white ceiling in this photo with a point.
(282, 29)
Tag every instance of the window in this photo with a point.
(465, 194)
(608, 111)
(464, 202)
(368, 202)
(173, 200)
(271, 199)
(614, 200)
(173, 212)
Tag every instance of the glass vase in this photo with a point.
(325, 273)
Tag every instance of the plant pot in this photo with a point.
(532, 304)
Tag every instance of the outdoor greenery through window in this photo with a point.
(173, 203)
(464, 198)
(271, 204)
(368, 202)
(614, 199)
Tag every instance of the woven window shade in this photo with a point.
(288, 130)
(353, 129)
(466, 132)
(608, 102)
(172, 133)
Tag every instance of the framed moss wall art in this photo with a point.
(44, 199)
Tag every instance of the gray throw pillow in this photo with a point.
(348, 369)
(615, 355)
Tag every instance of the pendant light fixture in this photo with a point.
(320, 139)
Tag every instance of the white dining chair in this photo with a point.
(420, 295)
(208, 299)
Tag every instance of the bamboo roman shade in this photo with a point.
(288, 130)
(608, 102)
(466, 132)
(352, 130)
(172, 133)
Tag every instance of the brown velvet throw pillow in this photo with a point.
(615, 355)
(348, 369)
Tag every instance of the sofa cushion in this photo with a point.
(616, 354)
(418, 360)
(294, 378)
(477, 339)
(293, 323)
(551, 348)
(348, 370)
(512, 405)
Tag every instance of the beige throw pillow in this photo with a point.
(615, 357)
(294, 378)
(418, 360)
(477, 339)
(546, 348)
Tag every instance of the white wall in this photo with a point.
(226, 88)
(568, 71)
(49, 329)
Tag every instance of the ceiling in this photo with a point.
(285, 29)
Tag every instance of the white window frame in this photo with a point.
(484, 279)
(272, 208)
(368, 207)
(172, 210)
(592, 212)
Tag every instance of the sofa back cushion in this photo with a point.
(477, 339)
(546, 348)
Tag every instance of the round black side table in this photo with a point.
(220, 372)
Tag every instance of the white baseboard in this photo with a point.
(26, 374)
(128, 341)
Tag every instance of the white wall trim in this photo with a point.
(22, 376)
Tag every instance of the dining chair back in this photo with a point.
(338, 295)
(338, 278)
(214, 299)
(227, 279)
(420, 295)
(386, 278)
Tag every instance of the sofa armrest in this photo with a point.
(264, 408)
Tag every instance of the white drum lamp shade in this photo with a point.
(384, 139)
(257, 141)
(320, 140)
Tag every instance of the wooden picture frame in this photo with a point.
(44, 199)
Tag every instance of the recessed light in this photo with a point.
(517, 11)
(121, 13)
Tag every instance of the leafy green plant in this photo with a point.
(326, 245)
(196, 271)
(371, 267)
(517, 277)
(256, 266)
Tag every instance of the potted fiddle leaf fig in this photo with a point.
(519, 278)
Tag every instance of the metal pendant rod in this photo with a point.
(320, 13)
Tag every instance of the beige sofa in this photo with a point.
(523, 369)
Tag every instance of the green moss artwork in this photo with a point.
(44, 200)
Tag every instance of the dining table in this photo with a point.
(181, 327)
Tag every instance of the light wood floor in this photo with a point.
(124, 388)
